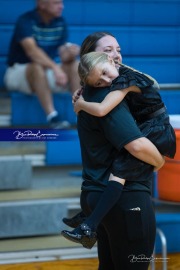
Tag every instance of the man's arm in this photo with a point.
(38, 56)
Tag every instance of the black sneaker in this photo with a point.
(82, 235)
(55, 123)
(75, 221)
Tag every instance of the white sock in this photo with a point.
(51, 115)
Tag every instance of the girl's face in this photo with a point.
(109, 45)
(103, 74)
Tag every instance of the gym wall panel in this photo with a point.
(11, 9)
(2, 70)
(104, 12)
(136, 40)
(133, 40)
(163, 69)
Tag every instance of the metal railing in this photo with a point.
(164, 251)
(169, 86)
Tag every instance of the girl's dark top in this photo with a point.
(143, 105)
(140, 104)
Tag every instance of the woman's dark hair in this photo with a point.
(90, 42)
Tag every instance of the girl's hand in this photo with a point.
(76, 95)
(77, 104)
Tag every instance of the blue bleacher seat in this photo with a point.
(64, 152)
(2, 70)
(24, 106)
(172, 100)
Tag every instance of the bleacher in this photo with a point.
(149, 42)
(149, 39)
(149, 35)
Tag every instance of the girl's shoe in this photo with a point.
(84, 236)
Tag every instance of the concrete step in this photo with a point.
(16, 170)
(5, 120)
(38, 210)
(11, 197)
(17, 160)
(15, 174)
(50, 193)
(5, 104)
(44, 248)
(9, 148)
(5, 110)
(33, 159)
(33, 217)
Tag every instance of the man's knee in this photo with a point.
(35, 71)
(71, 68)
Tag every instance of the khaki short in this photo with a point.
(15, 80)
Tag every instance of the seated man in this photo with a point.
(39, 39)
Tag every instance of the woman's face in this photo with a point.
(109, 45)
(103, 74)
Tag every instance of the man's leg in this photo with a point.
(37, 79)
(71, 70)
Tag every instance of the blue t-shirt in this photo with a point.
(48, 36)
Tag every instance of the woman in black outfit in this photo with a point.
(126, 235)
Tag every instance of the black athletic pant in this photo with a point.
(126, 235)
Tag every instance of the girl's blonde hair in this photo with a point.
(88, 62)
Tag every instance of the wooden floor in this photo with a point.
(82, 264)
(173, 262)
